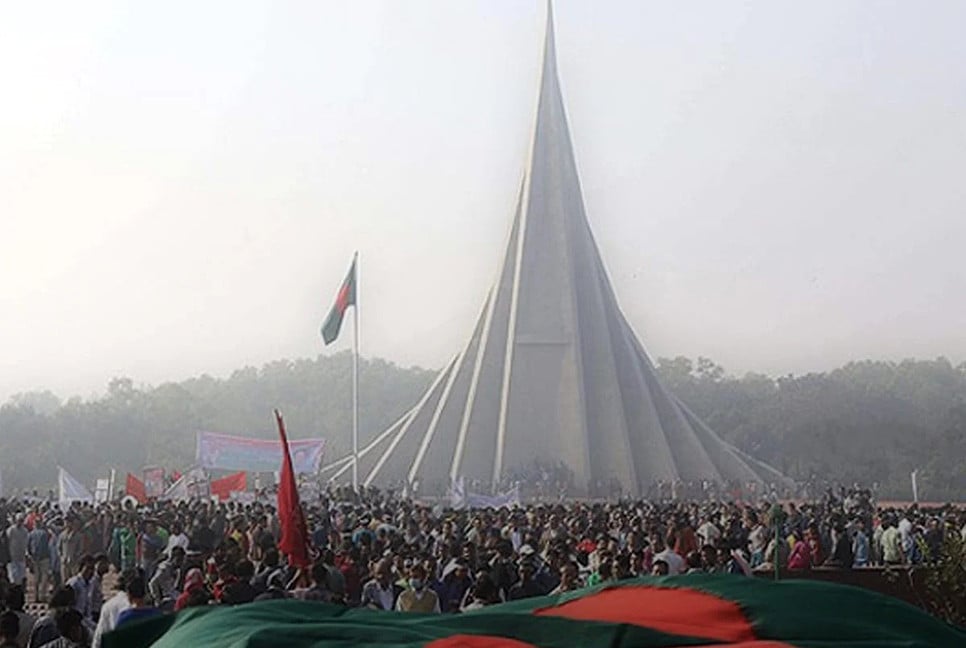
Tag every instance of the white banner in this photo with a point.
(191, 485)
(102, 490)
(461, 499)
(70, 490)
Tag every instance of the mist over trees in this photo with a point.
(866, 421)
(134, 426)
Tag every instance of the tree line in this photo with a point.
(872, 422)
(868, 422)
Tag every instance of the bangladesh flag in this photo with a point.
(345, 298)
(712, 611)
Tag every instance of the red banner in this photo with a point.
(135, 488)
(224, 487)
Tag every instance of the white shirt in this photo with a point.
(675, 563)
(109, 614)
(180, 540)
(385, 597)
(82, 590)
(709, 533)
(758, 538)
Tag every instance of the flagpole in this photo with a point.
(355, 381)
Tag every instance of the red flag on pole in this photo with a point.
(225, 486)
(295, 536)
(135, 488)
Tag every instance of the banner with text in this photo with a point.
(226, 452)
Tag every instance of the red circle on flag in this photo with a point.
(677, 611)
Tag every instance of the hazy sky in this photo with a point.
(780, 186)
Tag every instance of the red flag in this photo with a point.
(135, 488)
(295, 536)
(225, 486)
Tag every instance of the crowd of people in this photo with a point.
(374, 549)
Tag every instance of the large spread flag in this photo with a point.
(135, 488)
(295, 537)
(225, 486)
(346, 297)
(706, 610)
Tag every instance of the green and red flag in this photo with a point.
(344, 298)
(708, 610)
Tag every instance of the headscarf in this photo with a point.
(193, 580)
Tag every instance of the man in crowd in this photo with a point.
(417, 597)
(101, 567)
(860, 544)
(83, 585)
(17, 547)
(15, 601)
(70, 547)
(177, 539)
(70, 627)
(674, 562)
(380, 593)
(164, 585)
(525, 587)
(112, 609)
(45, 629)
(150, 545)
(38, 548)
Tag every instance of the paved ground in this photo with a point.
(39, 609)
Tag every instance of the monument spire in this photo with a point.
(553, 374)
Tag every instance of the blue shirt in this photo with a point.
(136, 614)
(38, 544)
(860, 549)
